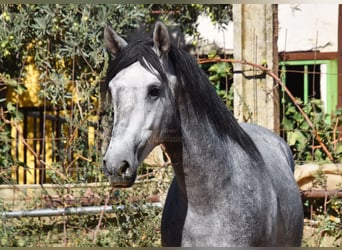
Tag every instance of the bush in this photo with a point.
(300, 136)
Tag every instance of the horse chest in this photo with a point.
(225, 224)
(201, 229)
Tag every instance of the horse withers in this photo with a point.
(233, 184)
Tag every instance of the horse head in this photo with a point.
(139, 80)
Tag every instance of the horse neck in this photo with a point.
(200, 161)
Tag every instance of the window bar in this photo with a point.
(35, 148)
(306, 84)
(17, 170)
(41, 147)
(283, 79)
(283, 101)
(25, 124)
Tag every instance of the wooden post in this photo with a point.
(254, 41)
(339, 63)
(339, 56)
(275, 68)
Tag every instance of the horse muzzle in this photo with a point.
(121, 176)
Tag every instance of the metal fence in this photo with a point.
(42, 140)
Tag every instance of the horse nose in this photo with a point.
(121, 170)
(106, 170)
(123, 167)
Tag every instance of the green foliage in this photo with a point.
(6, 159)
(221, 75)
(74, 33)
(65, 45)
(300, 136)
(50, 33)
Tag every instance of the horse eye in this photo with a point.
(154, 92)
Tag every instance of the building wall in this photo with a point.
(304, 27)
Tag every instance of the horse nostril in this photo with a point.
(105, 169)
(122, 168)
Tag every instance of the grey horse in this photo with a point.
(233, 184)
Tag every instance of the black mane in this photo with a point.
(206, 102)
(194, 82)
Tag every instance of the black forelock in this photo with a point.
(139, 50)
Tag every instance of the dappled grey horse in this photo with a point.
(234, 183)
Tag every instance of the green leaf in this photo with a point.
(296, 138)
(11, 82)
(339, 148)
(287, 124)
(290, 110)
(213, 68)
(298, 117)
(318, 155)
(221, 68)
(40, 23)
(10, 107)
(212, 54)
(304, 126)
(214, 78)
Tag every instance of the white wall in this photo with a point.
(307, 26)
(212, 36)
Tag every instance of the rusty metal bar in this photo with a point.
(320, 194)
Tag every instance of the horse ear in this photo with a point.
(114, 43)
(161, 38)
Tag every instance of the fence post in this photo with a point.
(255, 99)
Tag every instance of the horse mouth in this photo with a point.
(122, 183)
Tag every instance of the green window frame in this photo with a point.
(331, 95)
